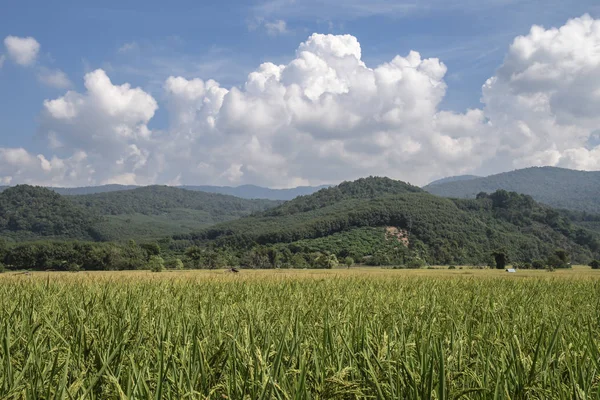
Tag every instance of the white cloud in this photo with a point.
(22, 50)
(277, 27)
(55, 78)
(326, 116)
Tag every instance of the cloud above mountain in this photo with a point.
(326, 116)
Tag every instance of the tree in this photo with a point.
(560, 259)
(500, 258)
(595, 264)
(194, 254)
(325, 260)
(152, 249)
(298, 261)
(156, 264)
(348, 261)
(538, 264)
(213, 259)
(274, 257)
(178, 264)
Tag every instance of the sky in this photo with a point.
(283, 93)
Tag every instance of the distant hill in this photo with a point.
(378, 218)
(28, 212)
(151, 212)
(159, 211)
(557, 187)
(258, 192)
(457, 178)
(244, 191)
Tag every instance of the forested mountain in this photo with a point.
(454, 179)
(152, 212)
(155, 200)
(557, 187)
(258, 192)
(28, 212)
(244, 191)
(355, 219)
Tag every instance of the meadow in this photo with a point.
(301, 334)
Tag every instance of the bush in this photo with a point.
(348, 261)
(595, 264)
(538, 264)
(156, 264)
(73, 267)
(416, 262)
(452, 267)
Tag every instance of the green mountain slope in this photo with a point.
(440, 230)
(28, 212)
(152, 212)
(557, 187)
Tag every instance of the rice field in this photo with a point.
(338, 334)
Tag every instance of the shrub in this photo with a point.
(73, 267)
(156, 264)
(348, 261)
(415, 262)
(538, 264)
(595, 264)
(452, 267)
(178, 264)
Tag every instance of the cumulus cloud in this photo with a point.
(55, 78)
(22, 50)
(543, 101)
(327, 116)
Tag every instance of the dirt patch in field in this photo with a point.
(399, 234)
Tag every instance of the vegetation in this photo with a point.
(297, 336)
(28, 212)
(351, 221)
(153, 212)
(156, 200)
(557, 187)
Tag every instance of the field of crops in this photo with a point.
(338, 334)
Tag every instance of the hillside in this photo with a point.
(557, 187)
(29, 212)
(152, 212)
(258, 192)
(243, 191)
(159, 211)
(457, 178)
(376, 217)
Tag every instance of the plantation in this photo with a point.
(291, 334)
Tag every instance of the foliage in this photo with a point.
(348, 262)
(156, 200)
(437, 230)
(31, 211)
(156, 263)
(557, 187)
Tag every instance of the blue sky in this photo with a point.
(145, 42)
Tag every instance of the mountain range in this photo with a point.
(391, 221)
(243, 191)
(377, 220)
(557, 187)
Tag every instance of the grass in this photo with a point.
(301, 334)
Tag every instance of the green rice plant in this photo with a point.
(183, 335)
